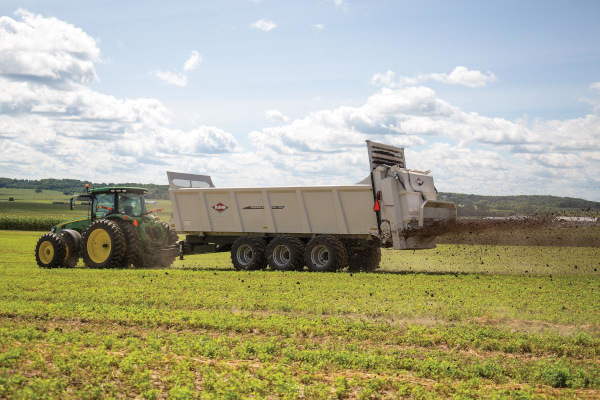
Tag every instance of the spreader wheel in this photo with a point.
(367, 259)
(249, 253)
(285, 253)
(104, 245)
(325, 253)
(50, 251)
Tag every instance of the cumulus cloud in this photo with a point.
(459, 76)
(263, 25)
(276, 116)
(467, 151)
(53, 124)
(38, 48)
(171, 78)
(193, 62)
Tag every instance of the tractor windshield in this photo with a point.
(131, 204)
(103, 204)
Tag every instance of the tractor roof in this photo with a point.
(116, 189)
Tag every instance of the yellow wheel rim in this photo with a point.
(98, 246)
(66, 252)
(46, 252)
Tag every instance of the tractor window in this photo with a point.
(131, 204)
(103, 204)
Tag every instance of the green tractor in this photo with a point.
(118, 232)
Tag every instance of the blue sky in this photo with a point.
(537, 64)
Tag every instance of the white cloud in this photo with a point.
(319, 27)
(171, 78)
(264, 25)
(276, 116)
(341, 4)
(595, 86)
(466, 151)
(49, 124)
(472, 78)
(35, 47)
(56, 125)
(193, 62)
(459, 76)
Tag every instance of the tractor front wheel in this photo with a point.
(50, 251)
(104, 245)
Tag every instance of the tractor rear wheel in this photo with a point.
(171, 239)
(248, 253)
(134, 252)
(50, 251)
(104, 245)
(72, 241)
(325, 253)
(285, 253)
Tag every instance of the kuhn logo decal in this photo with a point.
(420, 181)
(220, 207)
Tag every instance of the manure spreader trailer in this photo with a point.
(325, 228)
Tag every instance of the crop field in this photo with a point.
(467, 321)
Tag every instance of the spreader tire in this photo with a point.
(50, 251)
(285, 253)
(72, 240)
(366, 260)
(325, 253)
(104, 245)
(249, 253)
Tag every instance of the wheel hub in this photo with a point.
(99, 246)
(281, 255)
(46, 252)
(244, 254)
(319, 255)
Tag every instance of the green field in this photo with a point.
(465, 321)
(29, 207)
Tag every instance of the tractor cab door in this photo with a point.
(103, 203)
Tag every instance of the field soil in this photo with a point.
(466, 320)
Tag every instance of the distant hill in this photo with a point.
(472, 205)
(469, 205)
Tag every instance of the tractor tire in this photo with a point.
(72, 241)
(50, 251)
(171, 239)
(248, 253)
(134, 254)
(285, 253)
(366, 260)
(325, 253)
(104, 245)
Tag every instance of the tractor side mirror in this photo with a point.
(72, 203)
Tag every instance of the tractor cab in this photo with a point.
(125, 201)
